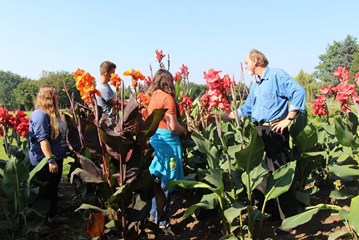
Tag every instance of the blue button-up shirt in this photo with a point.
(270, 95)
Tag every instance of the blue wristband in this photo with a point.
(51, 160)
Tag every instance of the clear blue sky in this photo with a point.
(65, 35)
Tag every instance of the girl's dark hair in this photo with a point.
(163, 80)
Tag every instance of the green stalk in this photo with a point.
(249, 209)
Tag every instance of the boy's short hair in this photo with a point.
(106, 66)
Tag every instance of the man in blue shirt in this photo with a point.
(268, 107)
(108, 99)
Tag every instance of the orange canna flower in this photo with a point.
(143, 98)
(85, 83)
(78, 72)
(115, 81)
(128, 73)
(135, 74)
(134, 84)
(86, 99)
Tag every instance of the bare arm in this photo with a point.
(281, 125)
(46, 149)
(173, 124)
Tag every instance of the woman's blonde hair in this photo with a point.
(46, 102)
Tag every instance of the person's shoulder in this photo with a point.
(278, 72)
(38, 114)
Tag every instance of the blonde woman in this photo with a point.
(47, 140)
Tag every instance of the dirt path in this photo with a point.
(207, 227)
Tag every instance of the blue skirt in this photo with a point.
(167, 162)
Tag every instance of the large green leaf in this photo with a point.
(234, 211)
(299, 219)
(256, 176)
(280, 180)
(251, 156)
(85, 206)
(151, 124)
(339, 235)
(206, 147)
(208, 201)
(187, 184)
(307, 138)
(38, 167)
(138, 212)
(215, 178)
(15, 181)
(344, 134)
(353, 215)
(344, 170)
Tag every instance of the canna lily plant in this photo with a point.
(115, 159)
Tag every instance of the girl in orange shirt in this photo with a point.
(167, 162)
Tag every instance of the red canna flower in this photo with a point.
(327, 89)
(159, 55)
(320, 106)
(185, 104)
(148, 80)
(177, 76)
(184, 70)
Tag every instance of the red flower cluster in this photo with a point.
(148, 80)
(344, 92)
(219, 89)
(186, 104)
(17, 121)
(319, 105)
(159, 55)
(181, 74)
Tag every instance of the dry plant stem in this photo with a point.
(234, 102)
(168, 60)
(245, 90)
(151, 71)
(104, 165)
(77, 121)
(122, 102)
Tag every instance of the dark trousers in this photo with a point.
(277, 155)
(49, 191)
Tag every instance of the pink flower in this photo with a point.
(327, 89)
(159, 55)
(342, 74)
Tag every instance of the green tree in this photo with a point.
(338, 54)
(308, 83)
(25, 94)
(354, 67)
(9, 82)
(57, 79)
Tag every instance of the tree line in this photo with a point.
(20, 92)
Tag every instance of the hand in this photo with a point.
(279, 126)
(53, 168)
